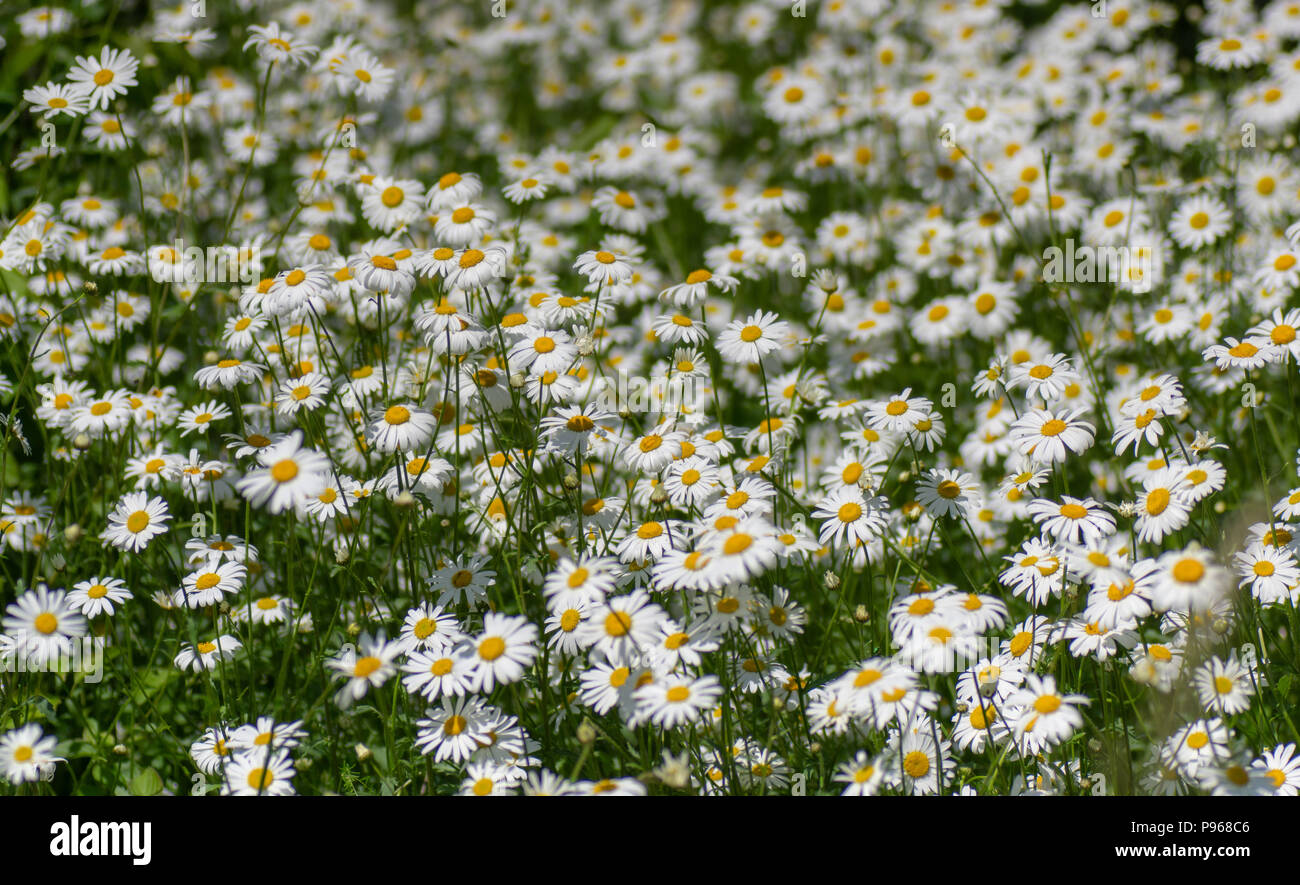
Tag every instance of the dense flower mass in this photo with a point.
(651, 397)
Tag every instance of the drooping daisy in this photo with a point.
(1073, 520)
(369, 664)
(207, 654)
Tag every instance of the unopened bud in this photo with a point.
(585, 345)
(571, 481)
(363, 752)
(354, 629)
(404, 499)
(210, 358)
(831, 581)
(342, 555)
(90, 287)
(861, 615)
(658, 496)
(81, 442)
(74, 533)
(120, 750)
(586, 733)
(517, 380)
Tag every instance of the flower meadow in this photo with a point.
(650, 397)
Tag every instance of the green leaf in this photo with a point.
(146, 783)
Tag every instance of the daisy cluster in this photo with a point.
(318, 321)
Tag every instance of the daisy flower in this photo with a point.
(106, 77)
(475, 268)
(370, 664)
(523, 190)
(695, 288)
(288, 475)
(501, 652)
(43, 624)
(1074, 520)
(455, 731)
(945, 492)
(1049, 437)
(1182, 580)
(1199, 222)
(26, 754)
(198, 419)
(210, 583)
(1282, 767)
(603, 268)
(402, 428)
(276, 45)
(675, 700)
(97, 596)
(748, 341)
(135, 521)
(898, 414)
(850, 515)
(258, 772)
(1251, 353)
(54, 99)
(1225, 687)
(208, 654)
(1051, 716)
